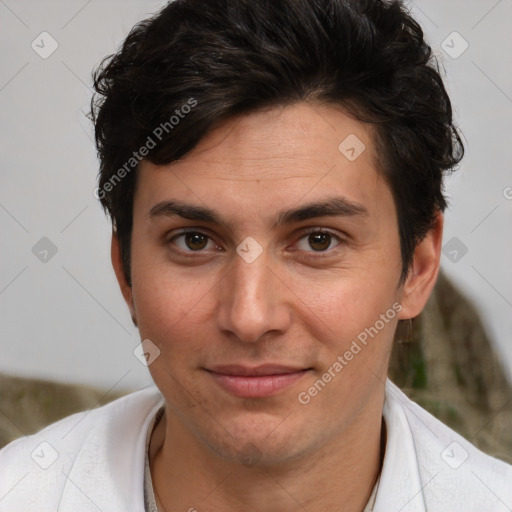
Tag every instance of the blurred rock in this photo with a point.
(27, 405)
(451, 368)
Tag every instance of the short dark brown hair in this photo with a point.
(198, 62)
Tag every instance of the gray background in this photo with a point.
(62, 315)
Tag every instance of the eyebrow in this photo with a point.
(335, 206)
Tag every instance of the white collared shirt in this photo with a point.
(95, 460)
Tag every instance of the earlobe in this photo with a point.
(117, 263)
(423, 272)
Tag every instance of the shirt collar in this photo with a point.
(400, 488)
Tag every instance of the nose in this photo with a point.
(253, 301)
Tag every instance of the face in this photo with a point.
(265, 269)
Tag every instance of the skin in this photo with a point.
(301, 303)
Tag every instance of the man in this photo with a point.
(273, 171)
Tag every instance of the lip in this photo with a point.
(256, 382)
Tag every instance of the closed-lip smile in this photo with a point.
(256, 382)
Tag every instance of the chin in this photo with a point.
(261, 443)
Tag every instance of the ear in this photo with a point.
(423, 273)
(117, 263)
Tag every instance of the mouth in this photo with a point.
(256, 382)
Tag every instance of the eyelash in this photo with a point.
(304, 234)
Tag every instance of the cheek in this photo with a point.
(165, 307)
(170, 303)
(358, 319)
(340, 307)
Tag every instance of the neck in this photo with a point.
(339, 475)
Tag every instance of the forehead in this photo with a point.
(269, 159)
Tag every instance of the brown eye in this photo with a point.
(196, 241)
(319, 241)
(192, 241)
